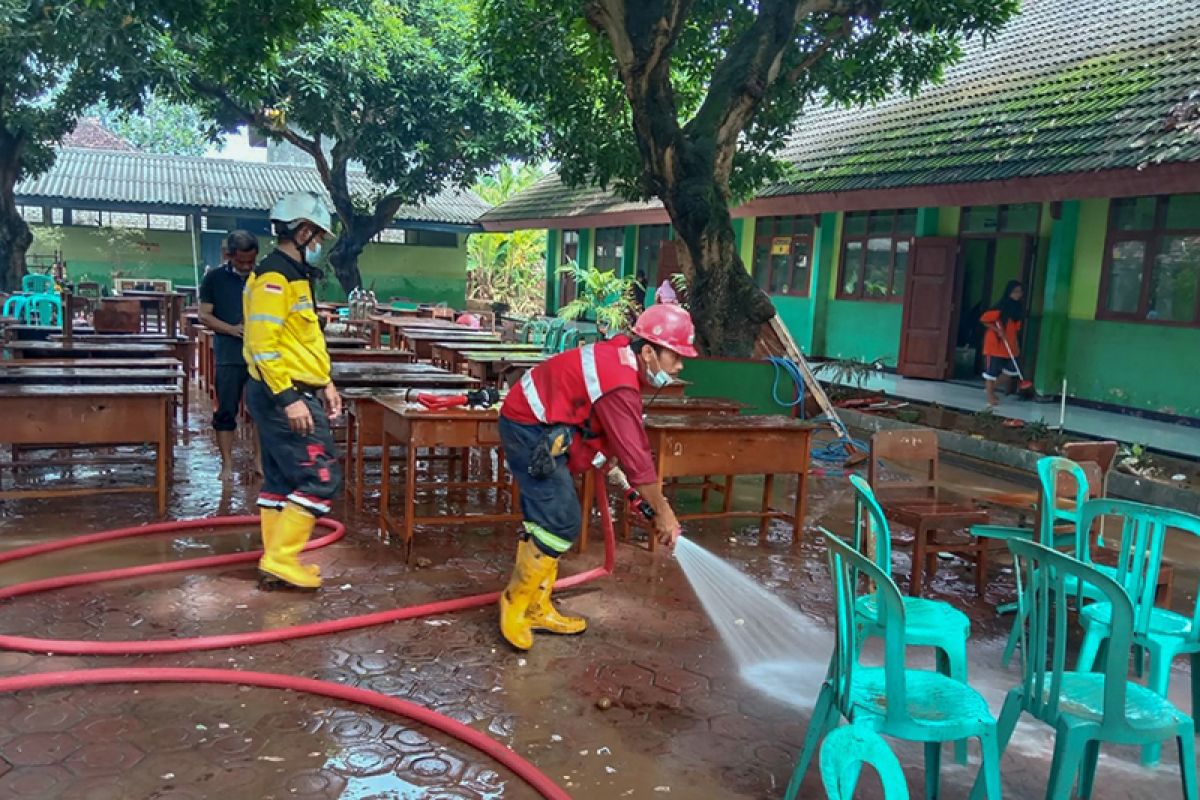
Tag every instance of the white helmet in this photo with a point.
(296, 207)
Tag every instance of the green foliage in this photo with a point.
(1037, 430)
(59, 58)
(558, 56)
(691, 101)
(161, 126)
(508, 267)
(391, 87)
(601, 295)
(844, 372)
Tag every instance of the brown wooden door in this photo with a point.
(929, 312)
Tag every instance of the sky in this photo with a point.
(237, 148)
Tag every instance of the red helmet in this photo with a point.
(668, 325)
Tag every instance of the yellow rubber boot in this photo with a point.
(290, 534)
(531, 569)
(542, 614)
(270, 521)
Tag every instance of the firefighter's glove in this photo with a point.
(555, 443)
(482, 398)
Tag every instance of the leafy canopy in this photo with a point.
(388, 86)
(559, 56)
(508, 267)
(58, 58)
(161, 126)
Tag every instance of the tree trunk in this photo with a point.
(15, 236)
(344, 258)
(726, 305)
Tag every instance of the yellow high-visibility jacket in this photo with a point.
(282, 341)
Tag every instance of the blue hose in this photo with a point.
(834, 453)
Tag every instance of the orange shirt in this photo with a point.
(992, 345)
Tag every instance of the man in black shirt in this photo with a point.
(221, 311)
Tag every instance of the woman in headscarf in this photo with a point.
(1002, 320)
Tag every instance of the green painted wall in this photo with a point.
(744, 380)
(553, 254)
(864, 331)
(93, 256)
(420, 274)
(1089, 256)
(1148, 367)
(424, 274)
(1055, 291)
(948, 221)
(743, 229)
(629, 251)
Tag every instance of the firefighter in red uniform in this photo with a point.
(560, 419)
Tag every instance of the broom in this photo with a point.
(1024, 387)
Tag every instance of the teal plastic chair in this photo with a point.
(569, 340)
(554, 331)
(1058, 524)
(1162, 633)
(15, 307)
(534, 331)
(37, 284)
(914, 705)
(1086, 709)
(928, 623)
(46, 309)
(843, 755)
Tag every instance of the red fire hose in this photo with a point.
(508, 758)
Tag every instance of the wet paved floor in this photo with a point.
(682, 724)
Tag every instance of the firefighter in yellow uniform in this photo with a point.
(290, 394)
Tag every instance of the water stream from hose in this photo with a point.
(779, 651)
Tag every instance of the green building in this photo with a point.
(1065, 153)
(129, 214)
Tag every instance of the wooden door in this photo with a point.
(930, 291)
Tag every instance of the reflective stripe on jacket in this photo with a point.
(283, 343)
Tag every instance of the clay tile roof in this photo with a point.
(89, 134)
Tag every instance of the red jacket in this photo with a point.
(992, 344)
(563, 390)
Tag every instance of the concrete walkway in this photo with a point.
(1166, 437)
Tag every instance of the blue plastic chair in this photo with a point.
(1162, 633)
(1086, 709)
(843, 755)
(914, 705)
(928, 623)
(569, 340)
(37, 284)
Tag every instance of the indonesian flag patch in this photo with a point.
(272, 288)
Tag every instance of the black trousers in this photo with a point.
(231, 383)
(304, 470)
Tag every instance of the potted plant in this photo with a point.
(601, 295)
(1037, 436)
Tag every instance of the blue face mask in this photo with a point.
(313, 254)
(659, 378)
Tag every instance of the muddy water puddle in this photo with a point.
(647, 704)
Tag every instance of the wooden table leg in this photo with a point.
(385, 488)
(727, 501)
(410, 498)
(916, 582)
(704, 493)
(801, 510)
(764, 522)
(163, 453)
